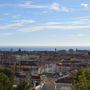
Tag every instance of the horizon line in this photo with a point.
(45, 46)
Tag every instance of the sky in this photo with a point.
(44, 22)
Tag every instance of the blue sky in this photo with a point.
(44, 22)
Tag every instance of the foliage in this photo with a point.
(7, 79)
(5, 83)
(8, 72)
(82, 79)
(24, 85)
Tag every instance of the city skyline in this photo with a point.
(45, 23)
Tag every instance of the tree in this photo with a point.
(8, 72)
(5, 83)
(24, 85)
(82, 79)
(9, 75)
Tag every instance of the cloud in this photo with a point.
(17, 23)
(78, 35)
(28, 4)
(85, 5)
(52, 23)
(25, 21)
(69, 25)
(57, 7)
(16, 16)
(80, 21)
(59, 27)
(9, 26)
(6, 34)
(54, 6)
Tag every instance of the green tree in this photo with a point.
(82, 79)
(9, 75)
(8, 72)
(24, 85)
(5, 83)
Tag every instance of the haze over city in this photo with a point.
(44, 23)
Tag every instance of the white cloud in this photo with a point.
(54, 6)
(57, 7)
(9, 26)
(17, 23)
(78, 35)
(59, 27)
(16, 16)
(6, 34)
(28, 4)
(85, 5)
(69, 25)
(24, 21)
(80, 21)
(52, 23)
